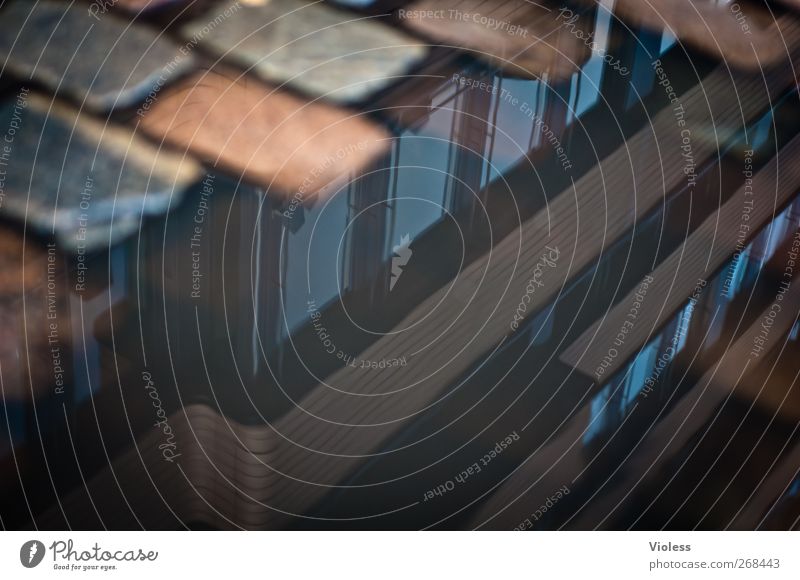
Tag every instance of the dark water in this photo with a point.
(214, 302)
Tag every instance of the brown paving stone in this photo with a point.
(272, 137)
(27, 269)
(14, 253)
(744, 33)
(526, 39)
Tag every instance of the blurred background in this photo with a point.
(494, 264)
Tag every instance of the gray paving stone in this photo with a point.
(99, 58)
(78, 179)
(314, 48)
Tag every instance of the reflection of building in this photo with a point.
(634, 433)
(232, 352)
(450, 157)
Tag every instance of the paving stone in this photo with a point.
(99, 59)
(74, 177)
(145, 6)
(744, 33)
(312, 47)
(275, 139)
(524, 38)
(28, 268)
